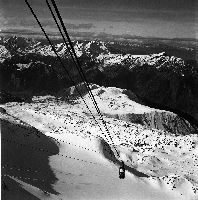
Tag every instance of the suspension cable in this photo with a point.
(71, 54)
(53, 48)
(75, 56)
(59, 28)
(80, 68)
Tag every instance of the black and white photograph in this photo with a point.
(99, 99)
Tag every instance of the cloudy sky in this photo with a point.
(146, 18)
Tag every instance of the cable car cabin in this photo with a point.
(122, 171)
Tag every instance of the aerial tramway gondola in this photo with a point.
(122, 171)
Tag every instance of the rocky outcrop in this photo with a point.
(162, 121)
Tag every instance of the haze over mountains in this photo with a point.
(90, 18)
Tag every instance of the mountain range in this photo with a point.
(159, 79)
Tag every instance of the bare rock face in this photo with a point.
(6, 97)
(162, 121)
(3, 110)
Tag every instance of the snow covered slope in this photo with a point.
(159, 164)
(123, 104)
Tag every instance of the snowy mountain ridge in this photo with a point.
(97, 50)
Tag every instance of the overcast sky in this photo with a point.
(147, 18)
